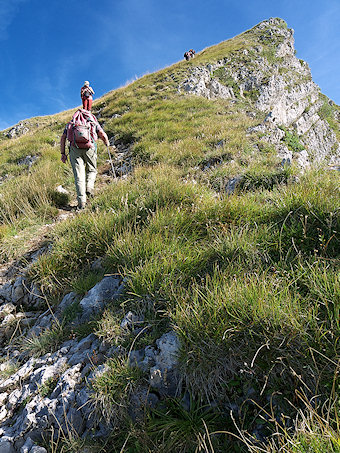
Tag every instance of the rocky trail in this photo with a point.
(44, 397)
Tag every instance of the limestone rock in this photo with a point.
(6, 447)
(130, 320)
(6, 291)
(19, 129)
(6, 309)
(108, 289)
(201, 83)
(163, 376)
(140, 400)
(61, 189)
(37, 449)
(282, 87)
(232, 184)
(26, 448)
(28, 160)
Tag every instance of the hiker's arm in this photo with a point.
(104, 137)
(62, 148)
(92, 90)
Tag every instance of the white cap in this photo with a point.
(86, 83)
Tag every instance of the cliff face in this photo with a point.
(281, 85)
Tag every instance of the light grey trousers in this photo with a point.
(84, 166)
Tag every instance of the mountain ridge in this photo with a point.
(198, 292)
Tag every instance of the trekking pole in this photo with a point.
(113, 169)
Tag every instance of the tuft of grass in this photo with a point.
(315, 429)
(221, 318)
(292, 140)
(174, 427)
(86, 281)
(8, 367)
(47, 341)
(327, 112)
(59, 199)
(111, 389)
(48, 386)
(251, 181)
(109, 328)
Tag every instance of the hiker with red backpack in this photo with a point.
(86, 93)
(82, 132)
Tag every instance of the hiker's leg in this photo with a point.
(91, 168)
(84, 102)
(89, 103)
(78, 167)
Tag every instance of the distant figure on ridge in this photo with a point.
(82, 132)
(189, 54)
(86, 93)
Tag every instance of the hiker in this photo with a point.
(189, 54)
(86, 93)
(82, 133)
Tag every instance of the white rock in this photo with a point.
(9, 319)
(61, 189)
(5, 309)
(168, 346)
(3, 415)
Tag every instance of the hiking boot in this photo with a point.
(89, 193)
(81, 206)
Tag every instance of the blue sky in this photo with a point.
(49, 48)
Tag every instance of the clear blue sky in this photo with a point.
(48, 48)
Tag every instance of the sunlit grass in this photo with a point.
(249, 281)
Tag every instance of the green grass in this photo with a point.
(47, 341)
(48, 386)
(250, 281)
(85, 282)
(327, 112)
(175, 428)
(292, 140)
(8, 368)
(111, 389)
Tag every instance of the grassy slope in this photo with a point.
(249, 282)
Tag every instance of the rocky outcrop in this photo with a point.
(53, 392)
(28, 160)
(108, 289)
(122, 162)
(278, 83)
(18, 130)
(20, 292)
(160, 362)
(201, 83)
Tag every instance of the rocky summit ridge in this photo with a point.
(280, 85)
(56, 373)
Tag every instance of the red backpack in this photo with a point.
(81, 130)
